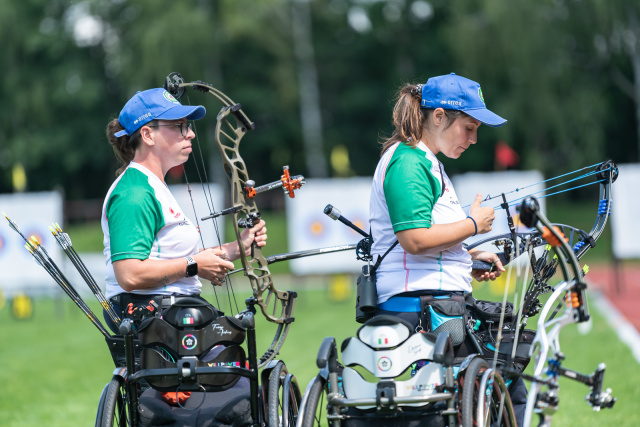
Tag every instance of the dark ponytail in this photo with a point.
(124, 147)
(408, 119)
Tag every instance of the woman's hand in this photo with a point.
(491, 258)
(257, 233)
(483, 216)
(213, 265)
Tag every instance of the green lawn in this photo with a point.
(55, 365)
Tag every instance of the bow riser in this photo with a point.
(255, 266)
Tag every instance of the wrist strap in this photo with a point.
(474, 224)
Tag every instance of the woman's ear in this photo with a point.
(146, 136)
(438, 117)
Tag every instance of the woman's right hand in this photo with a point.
(213, 265)
(483, 216)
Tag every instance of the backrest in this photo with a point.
(386, 347)
(192, 331)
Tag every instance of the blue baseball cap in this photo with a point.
(154, 104)
(453, 92)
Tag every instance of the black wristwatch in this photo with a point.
(192, 266)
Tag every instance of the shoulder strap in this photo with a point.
(380, 258)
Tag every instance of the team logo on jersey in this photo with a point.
(174, 213)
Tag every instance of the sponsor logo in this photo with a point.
(220, 330)
(384, 363)
(189, 342)
(217, 364)
(453, 103)
(144, 116)
(174, 213)
(414, 349)
(480, 95)
(422, 387)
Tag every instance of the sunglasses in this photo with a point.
(184, 127)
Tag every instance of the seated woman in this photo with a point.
(151, 247)
(416, 220)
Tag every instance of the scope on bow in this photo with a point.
(288, 184)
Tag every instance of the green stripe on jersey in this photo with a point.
(410, 189)
(134, 215)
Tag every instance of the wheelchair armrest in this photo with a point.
(328, 353)
(443, 351)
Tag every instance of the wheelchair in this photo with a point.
(370, 385)
(189, 368)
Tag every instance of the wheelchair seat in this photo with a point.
(190, 335)
(184, 337)
(386, 347)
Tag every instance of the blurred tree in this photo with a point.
(564, 73)
(49, 85)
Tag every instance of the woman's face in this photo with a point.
(171, 146)
(452, 140)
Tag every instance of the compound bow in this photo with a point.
(232, 124)
(515, 244)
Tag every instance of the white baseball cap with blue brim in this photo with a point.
(154, 104)
(453, 92)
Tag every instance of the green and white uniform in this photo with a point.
(142, 220)
(407, 193)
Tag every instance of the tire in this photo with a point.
(283, 398)
(472, 389)
(113, 408)
(312, 408)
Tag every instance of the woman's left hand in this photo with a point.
(257, 233)
(491, 258)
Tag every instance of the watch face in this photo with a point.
(192, 269)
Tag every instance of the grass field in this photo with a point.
(55, 365)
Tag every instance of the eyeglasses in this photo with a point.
(184, 127)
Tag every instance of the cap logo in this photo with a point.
(449, 102)
(169, 97)
(143, 117)
(480, 95)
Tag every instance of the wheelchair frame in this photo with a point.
(460, 394)
(275, 402)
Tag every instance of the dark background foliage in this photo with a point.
(562, 72)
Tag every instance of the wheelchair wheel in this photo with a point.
(112, 409)
(283, 398)
(481, 398)
(312, 409)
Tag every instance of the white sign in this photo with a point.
(309, 228)
(33, 213)
(624, 226)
